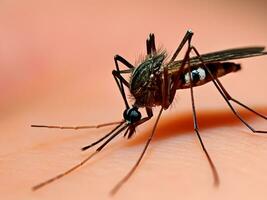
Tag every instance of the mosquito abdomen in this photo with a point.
(200, 75)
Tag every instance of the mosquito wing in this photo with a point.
(229, 54)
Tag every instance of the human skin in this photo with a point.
(56, 60)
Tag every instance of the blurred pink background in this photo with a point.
(56, 59)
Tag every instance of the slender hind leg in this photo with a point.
(175, 84)
(228, 98)
(213, 168)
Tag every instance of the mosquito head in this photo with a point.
(132, 115)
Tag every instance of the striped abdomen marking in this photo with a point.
(200, 75)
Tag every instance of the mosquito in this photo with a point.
(154, 82)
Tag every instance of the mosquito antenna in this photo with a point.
(40, 185)
(119, 184)
(77, 127)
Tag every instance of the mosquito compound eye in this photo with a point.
(132, 115)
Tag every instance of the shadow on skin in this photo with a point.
(183, 124)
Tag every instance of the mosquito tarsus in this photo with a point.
(154, 82)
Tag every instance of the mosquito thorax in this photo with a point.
(145, 82)
(132, 115)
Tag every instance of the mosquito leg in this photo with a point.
(117, 75)
(236, 101)
(119, 79)
(213, 168)
(165, 88)
(101, 139)
(119, 185)
(77, 127)
(217, 85)
(38, 186)
(118, 58)
(175, 79)
(167, 92)
(187, 37)
(172, 93)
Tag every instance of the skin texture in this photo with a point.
(56, 59)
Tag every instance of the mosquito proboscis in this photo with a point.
(154, 82)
